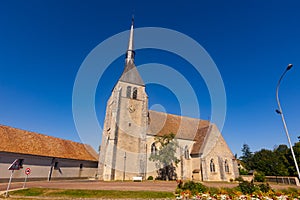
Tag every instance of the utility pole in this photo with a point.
(124, 166)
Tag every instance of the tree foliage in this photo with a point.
(276, 162)
(246, 156)
(269, 162)
(290, 160)
(247, 187)
(194, 187)
(165, 156)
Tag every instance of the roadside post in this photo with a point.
(27, 172)
(16, 165)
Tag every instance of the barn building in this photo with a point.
(47, 157)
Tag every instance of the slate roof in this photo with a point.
(184, 127)
(15, 140)
(131, 75)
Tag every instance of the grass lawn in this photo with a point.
(43, 192)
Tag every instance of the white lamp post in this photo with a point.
(279, 111)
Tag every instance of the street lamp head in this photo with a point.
(289, 66)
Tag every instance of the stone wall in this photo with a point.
(215, 153)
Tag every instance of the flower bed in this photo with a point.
(245, 190)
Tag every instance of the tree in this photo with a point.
(165, 157)
(278, 162)
(291, 162)
(282, 152)
(246, 156)
(296, 149)
(282, 149)
(269, 162)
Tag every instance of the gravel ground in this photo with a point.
(99, 185)
(168, 186)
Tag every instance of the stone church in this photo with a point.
(130, 128)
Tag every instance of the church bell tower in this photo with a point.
(123, 148)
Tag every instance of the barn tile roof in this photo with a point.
(25, 142)
(183, 127)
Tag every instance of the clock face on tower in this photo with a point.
(131, 108)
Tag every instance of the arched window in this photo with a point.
(153, 149)
(226, 166)
(134, 95)
(128, 92)
(212, 166)
(186, 152)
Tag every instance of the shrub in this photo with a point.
(213, 191)
(243, 171)
(259, 177)
(178, 191)
(291, 192)
(194, 187)
(264, 187)
(239, 179)
(230, 192)
(179, 184)
(247, 187)
(150, 178)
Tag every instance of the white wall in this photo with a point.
(40, 167)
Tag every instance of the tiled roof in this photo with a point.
(25, 142)
(183, 127)
(199, 139)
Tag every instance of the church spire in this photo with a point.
(130, 73)
(130, 51)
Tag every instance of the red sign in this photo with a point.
(27, 171)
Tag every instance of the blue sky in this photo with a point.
(43, 44)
